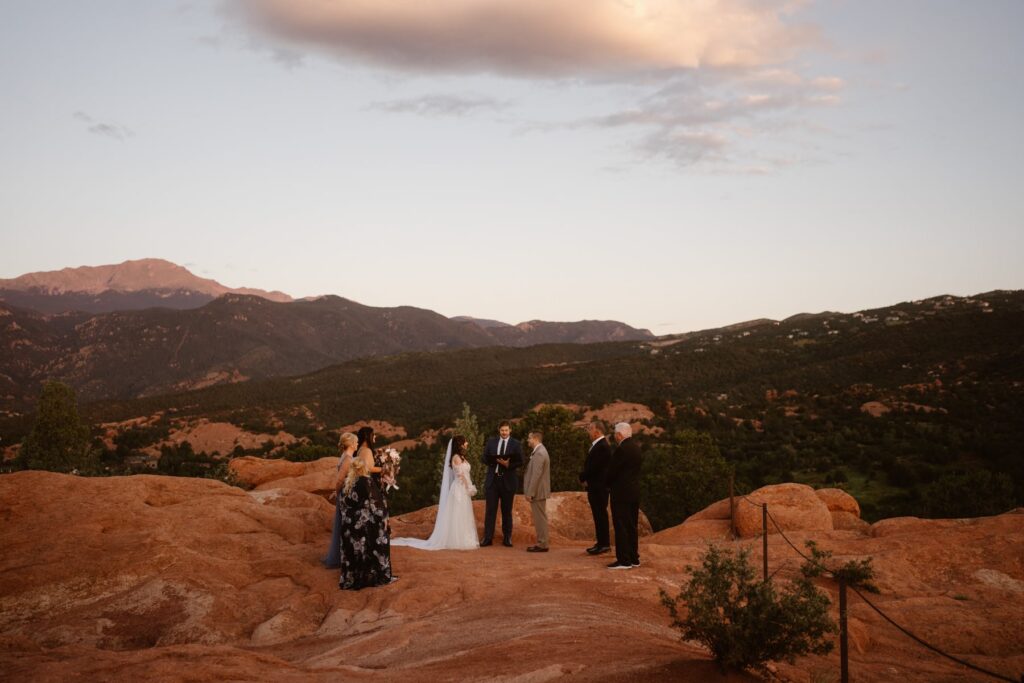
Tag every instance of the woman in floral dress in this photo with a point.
(365, 532)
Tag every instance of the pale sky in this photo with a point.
(673, 164)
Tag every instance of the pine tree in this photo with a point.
(467, 426)
(59, 441)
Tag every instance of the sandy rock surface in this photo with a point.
(167, 579)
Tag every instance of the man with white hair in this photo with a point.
(624, 487)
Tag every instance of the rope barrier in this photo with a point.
(825, 570)
(745, 498)
(929, 645)
(817, 564)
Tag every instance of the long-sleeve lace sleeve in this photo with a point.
(462, 475)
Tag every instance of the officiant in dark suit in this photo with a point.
(624, 488)
(595, 471)
(503, 455)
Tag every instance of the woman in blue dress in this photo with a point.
(348, 443)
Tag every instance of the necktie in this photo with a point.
(501, 453)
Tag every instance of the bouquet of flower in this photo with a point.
(390, 464)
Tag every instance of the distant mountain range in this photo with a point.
(175, 331)
(128, 286)
(903, 348)
(542, 332)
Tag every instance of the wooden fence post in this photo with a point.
(764, 537)
(732, 505)
(844, 648)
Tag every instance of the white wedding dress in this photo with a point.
(455, 526)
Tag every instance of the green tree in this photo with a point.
(468, 426)
(682, 478)
(175, 459)
(745, 622)
(566, 443)
(59, 441)
(972, 494)
(419, 482)
(306, 452)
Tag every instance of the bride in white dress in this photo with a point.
(455, 526)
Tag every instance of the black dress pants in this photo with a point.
(503, 492)
(626, 517)
(599, 509)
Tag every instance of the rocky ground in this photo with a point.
(165, 579)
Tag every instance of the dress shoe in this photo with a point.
(598, 550)
(536, 549)
(507, 543)
(484, 544)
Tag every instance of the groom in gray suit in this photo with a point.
(537, 488)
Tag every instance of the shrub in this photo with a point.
(856, 573)
(744, 622)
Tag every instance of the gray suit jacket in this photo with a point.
(537, 480)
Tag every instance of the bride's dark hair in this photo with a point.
(458, 448)
(365, 436)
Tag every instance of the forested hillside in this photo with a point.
(915, 407)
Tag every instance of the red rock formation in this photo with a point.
(250, 471)
(167, 579)
(620, 411)
(224, 437)
(875, 408)
(318, 476)
(793, 506)
(838, 500)
(845, 510)
(158, 578)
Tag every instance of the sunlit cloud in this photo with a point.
(705, 77)
(540, 37)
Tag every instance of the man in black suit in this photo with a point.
(595, 469)
(624, 487)
(502, 456)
